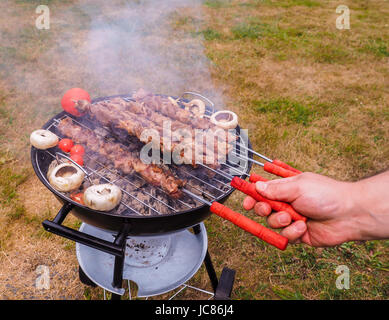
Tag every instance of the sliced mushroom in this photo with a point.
(65, 177)
(225, 119)
(196, 106)
(102, 197)
(43, 139)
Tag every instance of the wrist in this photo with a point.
(370, 218)
(353, 218)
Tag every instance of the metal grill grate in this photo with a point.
(139, 197)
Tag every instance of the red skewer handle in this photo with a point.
(278, 171)
(249, 225)
(285, 166)
(256, 177)
(249, 189)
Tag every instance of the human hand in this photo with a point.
(329, 205)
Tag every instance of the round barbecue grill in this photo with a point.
(144, 209)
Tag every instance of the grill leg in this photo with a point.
(222, 287)
(120, 240)
(118, 272)
(211, 271)
(208, 263)
(115, 296)
(226, 282)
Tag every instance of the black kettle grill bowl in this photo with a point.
(138, 225)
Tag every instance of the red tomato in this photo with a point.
(78, 197)
(77, 149)
(78, 159)
(74, 94)
(65, 145)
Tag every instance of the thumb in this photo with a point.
(287, 189)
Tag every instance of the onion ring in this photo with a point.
(196, 106)
(225, 119)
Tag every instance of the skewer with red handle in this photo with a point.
(249, 189)
(256, 177)
(273, 168)
(285, 165)
(274, 161)
(256, 229)
(249, 225)
(279, 171)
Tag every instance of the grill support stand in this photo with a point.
(208, 264)
(120, 240)
(222, 287)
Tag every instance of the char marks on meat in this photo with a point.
(150, 111)
(122, 159)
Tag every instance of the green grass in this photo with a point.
(210, 34)
(254, 28)
(309, 94)
(322, 46)
(246, 30)
(330, 54)
(284, 41)
(217, 4)
(378, 47)
(282, 110)
(10, 179)
(333, 122)
(43, 2)
(293, 3)
(286, 294)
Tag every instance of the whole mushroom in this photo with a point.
(43, 139)
(66, 177)
(102, 197)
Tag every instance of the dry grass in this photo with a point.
(283, 54)
(313, 95)
(308, 93)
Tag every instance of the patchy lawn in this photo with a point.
(310, 94)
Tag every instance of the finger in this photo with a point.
(262, 209)
(295, 231)
(287, 189)
(279, 220)
(248, 203)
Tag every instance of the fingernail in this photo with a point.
(284, 219)
(261, 186)
(300, 226)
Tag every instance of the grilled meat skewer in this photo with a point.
(117, 114)
(122, 159)
(160, 119)
(165, 106)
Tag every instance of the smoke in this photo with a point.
(126, 45)
(106, 47)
